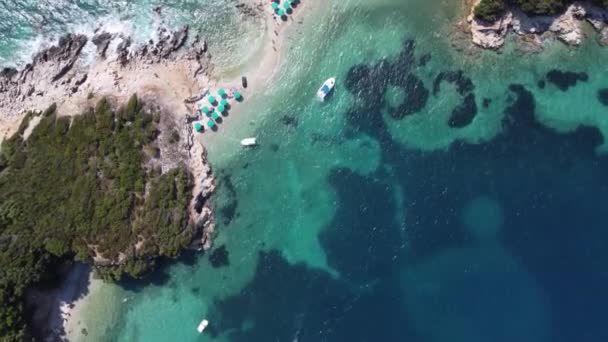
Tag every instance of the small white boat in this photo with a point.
(249, 142)
(326, 88)
(201, 327)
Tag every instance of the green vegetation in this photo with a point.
(540, 7)
(79, 187)
(491, 10)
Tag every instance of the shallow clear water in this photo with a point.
(352, 223)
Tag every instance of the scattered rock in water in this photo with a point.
(566, 79)
(102, 42)
(123, 51)
(602, 96)
(541, 84)
(603, 36)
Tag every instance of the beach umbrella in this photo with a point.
(221, 108)
(287, 5)
(221, 92)
(205, 110)
(198, 127)
(224, 102)
(215, 116)
(281, 13)
(274, 6)
(210, 123)
(237, 95)
(211, 99)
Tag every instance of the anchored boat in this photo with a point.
(201, 327)
(249, 142)
(326, 88)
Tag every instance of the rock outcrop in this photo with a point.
(490, 36)
(565, 27)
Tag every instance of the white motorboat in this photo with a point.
(326, 88)
(201, 327)
(249, 142)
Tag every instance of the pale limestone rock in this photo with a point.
(490, 36)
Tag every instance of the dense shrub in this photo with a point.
(540, 7)
(490, 10)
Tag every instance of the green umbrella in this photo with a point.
(221, 92)
(224, 102)
(281, 13)
(205, 110)
(221, 108)
(287, 5)
(237, 95)
(198, 126)
(211, 99)
(274, 6)
(215, 116)
(210, 123)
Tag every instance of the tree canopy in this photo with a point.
(79, 187)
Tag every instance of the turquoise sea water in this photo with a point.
(370, 218)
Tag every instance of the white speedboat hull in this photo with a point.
(201, 327)
(249, 142)
(326, 88)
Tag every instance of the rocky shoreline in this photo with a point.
(566, 27)
(79, 70)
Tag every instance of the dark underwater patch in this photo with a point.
(285, 302)
(486, 102)
(228, 209)
(602, 96)
(541, 84)
(416, 96)
(368, 83)
(565, 79)
(361, 242)
(464, 113)
(424, 60)
(290, 121)
(219, 257)
(464, 85)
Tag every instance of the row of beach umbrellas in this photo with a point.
(276, 7)
(214, 115)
